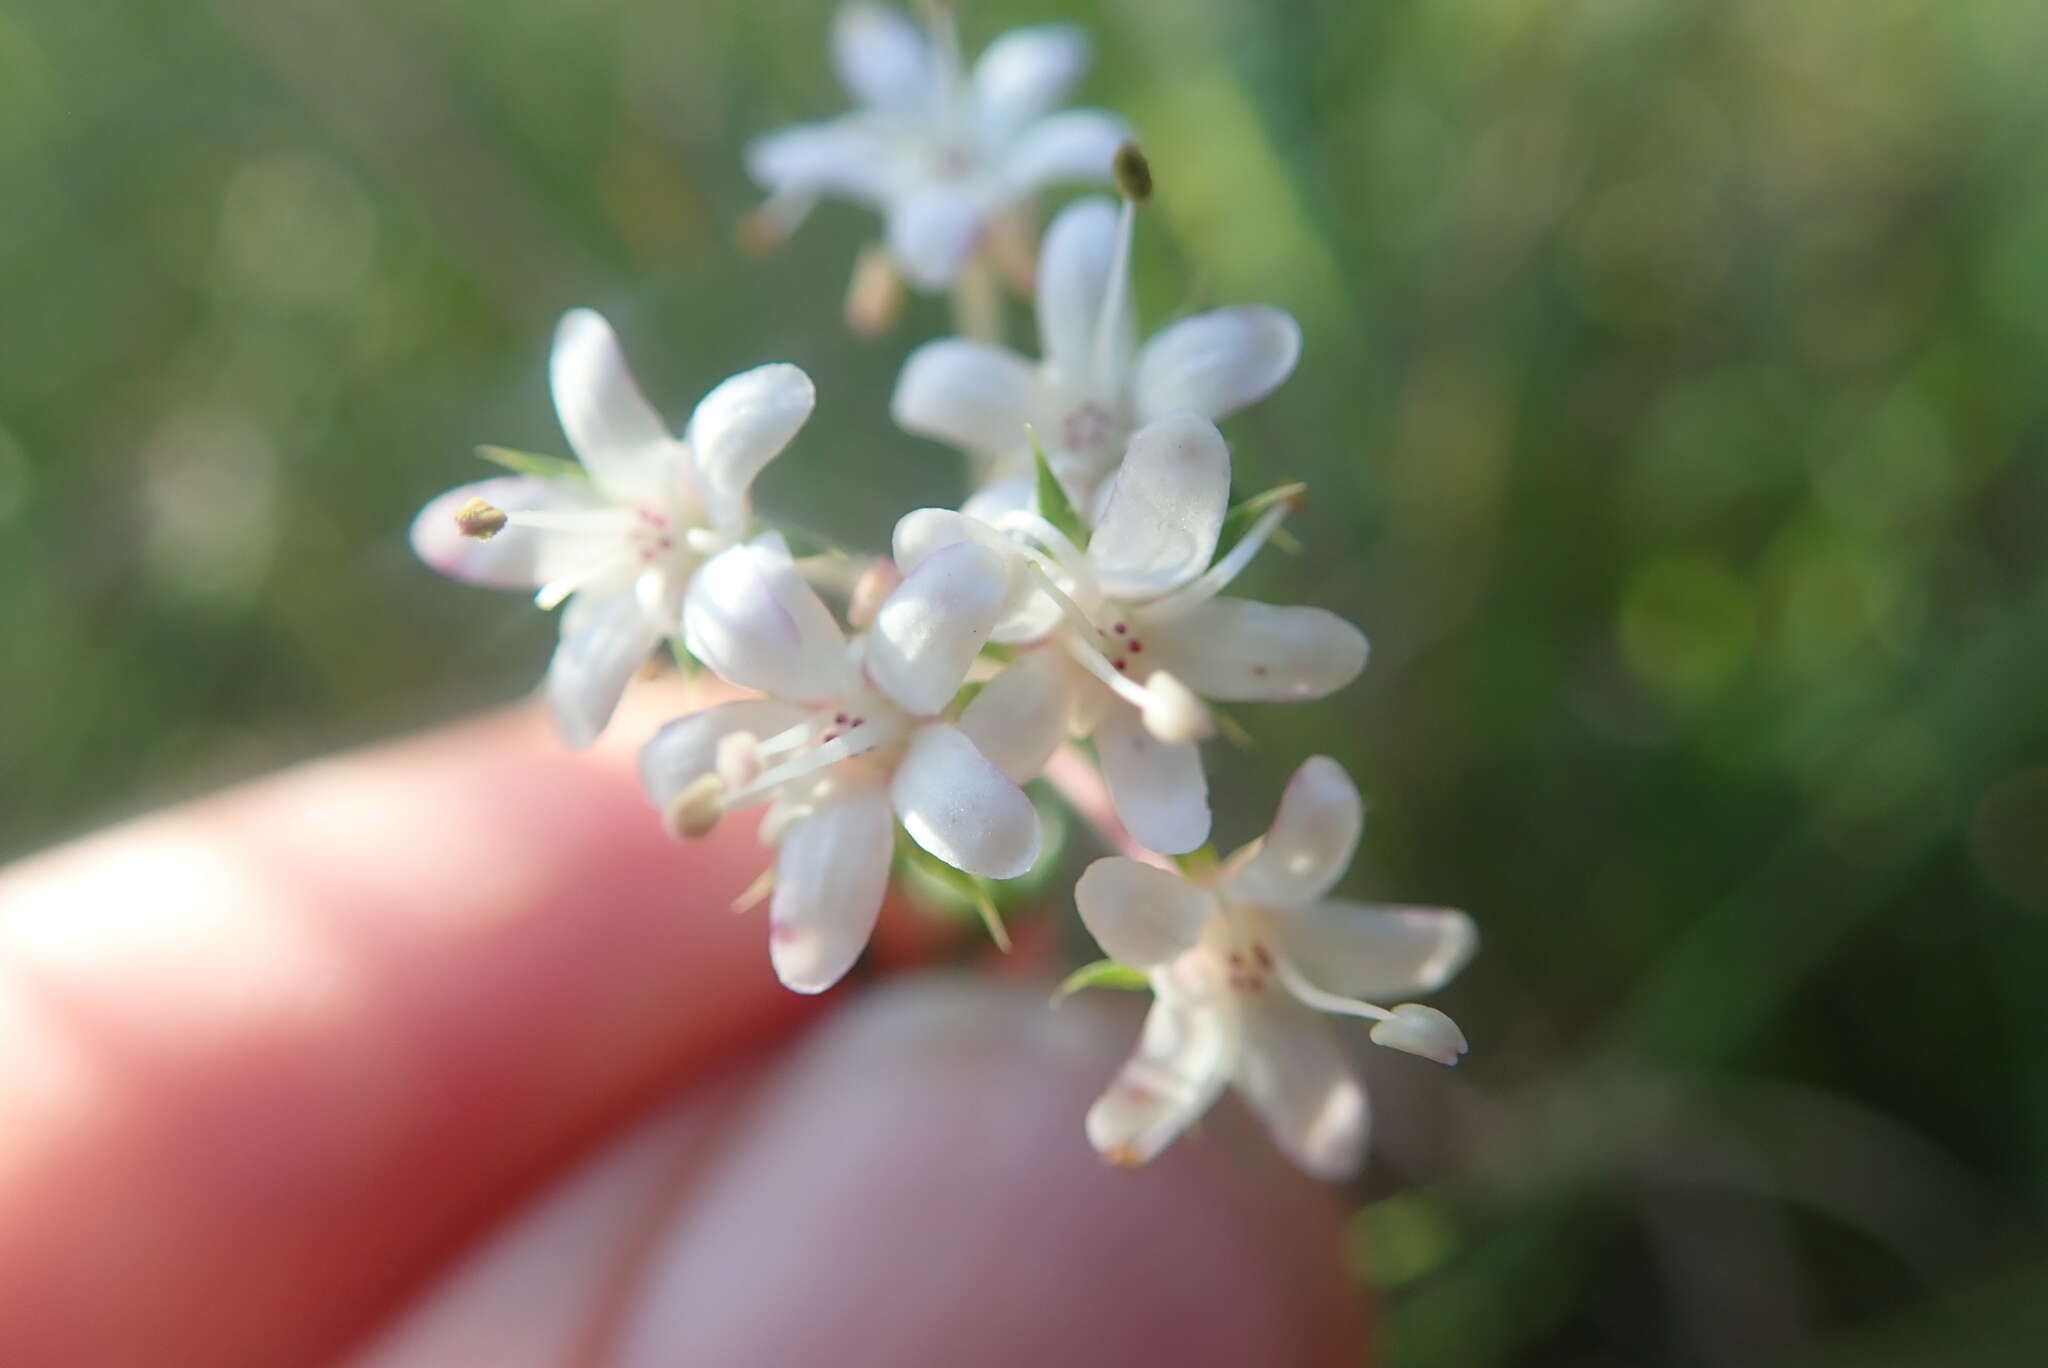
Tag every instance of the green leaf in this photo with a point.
(1052, 501)
(1238, 521)
(532, 463)
(1104, 973)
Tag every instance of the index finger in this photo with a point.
(265, 1059)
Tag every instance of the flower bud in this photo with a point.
(479, 520)
(874, 297)
(1133, 173)
(1421, 1031)
(696, 810)
(1174, 713)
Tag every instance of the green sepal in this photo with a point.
(1199, 864)
(1051, 499)
(1242, 515)
(1103, 973)
(535, 464)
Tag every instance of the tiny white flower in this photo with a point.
(849, 741)
(1093, 386)
(1135, 630)
(941, 153)
(1240, 971)
(616, 550)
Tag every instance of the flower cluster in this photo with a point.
(1077, 600)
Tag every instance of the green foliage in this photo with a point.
(533, 463)
(1050, 498)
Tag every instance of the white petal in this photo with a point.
(1027, 613)
(753, 621)
(1004, 496)
(961, 808)
(1295, 1074)
(1163, 508)
(1218, 362)
(830, 878)
(1313, 836)
(615, 432)
(1079, 145)
(1159, 790)
(518, 557)
(1073, 275)
(882, 58)
(929, 630)
(740, 427)
(1235, 649)
(687, 748)
(1182, 1061)
(1020, 717)
(932, 230)
(600, 649)
(967, 394)
(1026, 72)
(845, 157)
(1141, 915)
(1382, 954)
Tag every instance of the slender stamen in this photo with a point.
(843, 747)
(550, 595)
(1072, 561)
(1308, 994)
(792, 737)
(1212, 581)
(607, 520)
(1109, 324)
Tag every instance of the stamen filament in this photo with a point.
(1115, 296)
(1309, 995)
(611, 520)
(1073, 562)
(1212, 581)
(843, 747)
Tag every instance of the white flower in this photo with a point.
(1236, 969)
(1136, 630)
(619, 547)
(1093, 385)
(940, 153)
(850, 741)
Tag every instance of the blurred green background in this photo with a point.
(1675, 407)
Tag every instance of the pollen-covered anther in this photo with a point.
(1133, 173)
(1123, 1155)
(1174, 713)
(739, 759)
(697, 809)
(1421, 1030)
(874, 295)
(479, 520)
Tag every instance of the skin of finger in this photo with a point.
(907, 1186)
(266, 1060)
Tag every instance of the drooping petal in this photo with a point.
(931, 627)
(1139, 914)
(517, 557)
(1379, 953)
(1163, 508)
(845, 157)
(830, 878)
(1421, 1030)
(615, 432)
(740, 427)
(1079, 145)
(601, 647)
(1218, 362)
(967, 394)
(882, 58)
(687, 748)
(1020, 717)
(932, 230)
(1295, 1074)
(961, 808)
(1024, 73)
(1311, 841)
(1159, 790)
(1233, 649)
(1073, 274)
(753, 621)
(1183, 1059)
